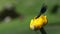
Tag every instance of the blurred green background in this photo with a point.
(30, 8)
